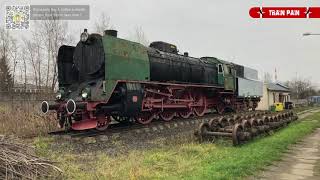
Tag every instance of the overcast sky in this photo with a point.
(217, 28)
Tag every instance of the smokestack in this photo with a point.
(111, 32)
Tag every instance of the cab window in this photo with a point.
(220, 68)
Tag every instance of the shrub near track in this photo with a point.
(25, 120)
(189, 160)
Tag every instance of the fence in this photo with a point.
(300, 102)
(28, 99)
(27, 95)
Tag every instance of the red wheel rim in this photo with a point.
(185, 113)
(145, 118)
(201, 105)
(103, 123)
(220, 109)
(167, 115)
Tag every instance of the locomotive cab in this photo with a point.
(229, 77)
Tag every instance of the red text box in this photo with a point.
(284, 12)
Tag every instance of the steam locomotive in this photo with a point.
(105, 78)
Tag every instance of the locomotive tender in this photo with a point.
(105, 78)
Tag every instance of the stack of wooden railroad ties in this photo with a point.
(242, 128)
(19, 161)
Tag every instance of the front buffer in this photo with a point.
(81, 115)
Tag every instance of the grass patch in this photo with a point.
(302, 108)
(42, 145)
(189, 160)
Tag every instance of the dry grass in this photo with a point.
(25, 120)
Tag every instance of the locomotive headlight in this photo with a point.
(59, 96)
(85, 93)
(84, 36)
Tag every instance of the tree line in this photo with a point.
(32, 60)
(300, 87)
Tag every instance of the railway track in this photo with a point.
(121, 138)
(125, 127)
(239, 127)
(156, 126)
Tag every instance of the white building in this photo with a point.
(273, 93)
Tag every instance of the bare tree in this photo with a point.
(102, 23)
(24, 61)
(30, 53)
(301, 88)
(14, 57)
(139, 36)
(43, 49)
(5, 43)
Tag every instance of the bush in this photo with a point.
(25, 120)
